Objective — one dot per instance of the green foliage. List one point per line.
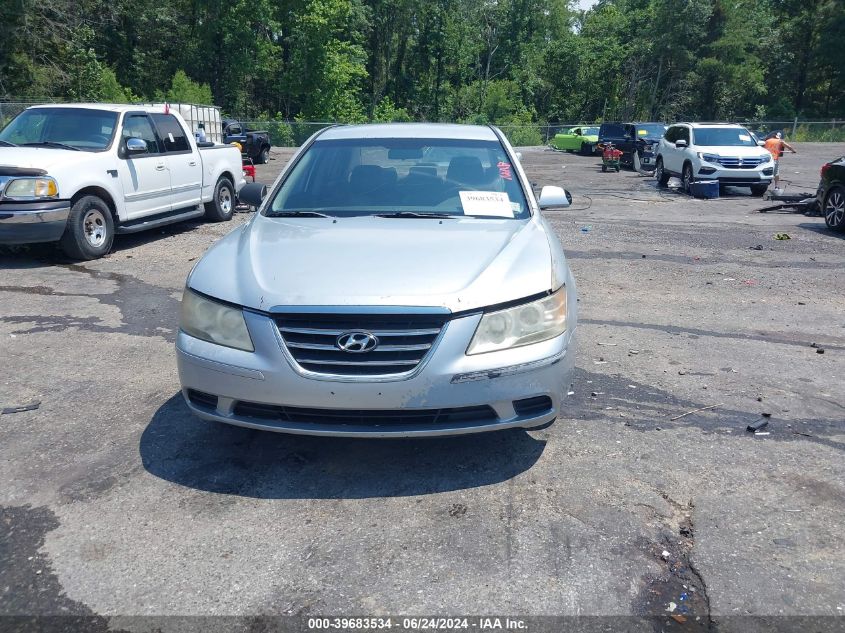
(510, 62)
(184, 90)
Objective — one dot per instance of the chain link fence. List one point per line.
(287, 133)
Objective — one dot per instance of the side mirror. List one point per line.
(253, 194)
(680, 143)
(554, 198)
(136, 146)
(761, 143)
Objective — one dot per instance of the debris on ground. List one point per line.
(782, 236)
(759, 247)
(756, 426)
(678, 618)
(31, 406)
(586, 229)
(712, 406)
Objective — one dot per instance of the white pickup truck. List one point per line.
(80, 173)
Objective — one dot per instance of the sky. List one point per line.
(586, 4)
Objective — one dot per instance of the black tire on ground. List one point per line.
(834, 208)
(222, 205)
(604, 168)
(660, 173)
(89, 233)
(617, 169)
(686, 179)
(759, 190)
(586, 149)
(263, 156)
(542, 426)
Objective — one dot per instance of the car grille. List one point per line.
(404, 340)
(733, 162)
(482, 414)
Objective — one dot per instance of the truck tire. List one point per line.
(660, 173)
(222, 205)
(263, 156)
(89, 233)
(759, 190)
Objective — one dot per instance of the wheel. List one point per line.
(759, 190)
(686, 179)
(570, 151)
(617, 169)
(222, 205)
(604, 168)
(263, 156)
(834, 208)
(89, 233)
(585, 149)
(660, 173)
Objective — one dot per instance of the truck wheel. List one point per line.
(89, 233)
(263, 156)
(660, 173)
(222, 205)
(759, 190)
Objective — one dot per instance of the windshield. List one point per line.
(723, 136)
(589, 131)
(354, 177)
(652, 129)
(77, 128)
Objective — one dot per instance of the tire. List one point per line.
(263, 156)
(222, 205)
(585, 149)
(604, 168)
(834, 208)
(686, 179)
(759, 190)
(89, 233)
(660, 173)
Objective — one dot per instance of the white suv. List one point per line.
(713, 151)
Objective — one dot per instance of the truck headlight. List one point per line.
(214, 322)
(708, 158)
(32, 188)
(524, 324)
(765, 158)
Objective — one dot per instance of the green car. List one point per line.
(580, 139)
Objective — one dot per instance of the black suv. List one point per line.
(831, 193)
(631, 137)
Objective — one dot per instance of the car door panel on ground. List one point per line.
(145, 177)
(184, 164)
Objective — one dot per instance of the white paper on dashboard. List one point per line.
(486, 203)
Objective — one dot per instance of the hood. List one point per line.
(44, 157)
(734, 150)
(458, 264)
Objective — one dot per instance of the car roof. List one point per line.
(709, 124)
(410, 130)
(112, 107)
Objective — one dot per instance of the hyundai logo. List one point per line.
(356, 342)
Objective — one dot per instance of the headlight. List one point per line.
(214, 322)
(708, 158)
(32, 188)
(765, 158)
(529, 323)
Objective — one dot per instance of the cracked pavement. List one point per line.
(117, 502)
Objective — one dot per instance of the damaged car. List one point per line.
(397, 280)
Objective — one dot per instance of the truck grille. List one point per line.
(733, 162)
(404, 340)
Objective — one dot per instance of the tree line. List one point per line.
(501, 61)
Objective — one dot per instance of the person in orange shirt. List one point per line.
(775, 144)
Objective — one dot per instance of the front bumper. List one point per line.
(240, 382)
(29, 222)
(738, 177)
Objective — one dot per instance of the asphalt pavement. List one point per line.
(648, 498)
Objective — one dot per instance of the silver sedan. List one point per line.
(398, 280)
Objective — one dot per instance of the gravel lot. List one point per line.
(117, 502)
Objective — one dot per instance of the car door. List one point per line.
(668, 151)
(145, 176)
(627, 143)
(183, 161)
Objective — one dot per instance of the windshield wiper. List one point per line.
(51, 144)
(7, 143)
(416, 214)
(295, 214)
